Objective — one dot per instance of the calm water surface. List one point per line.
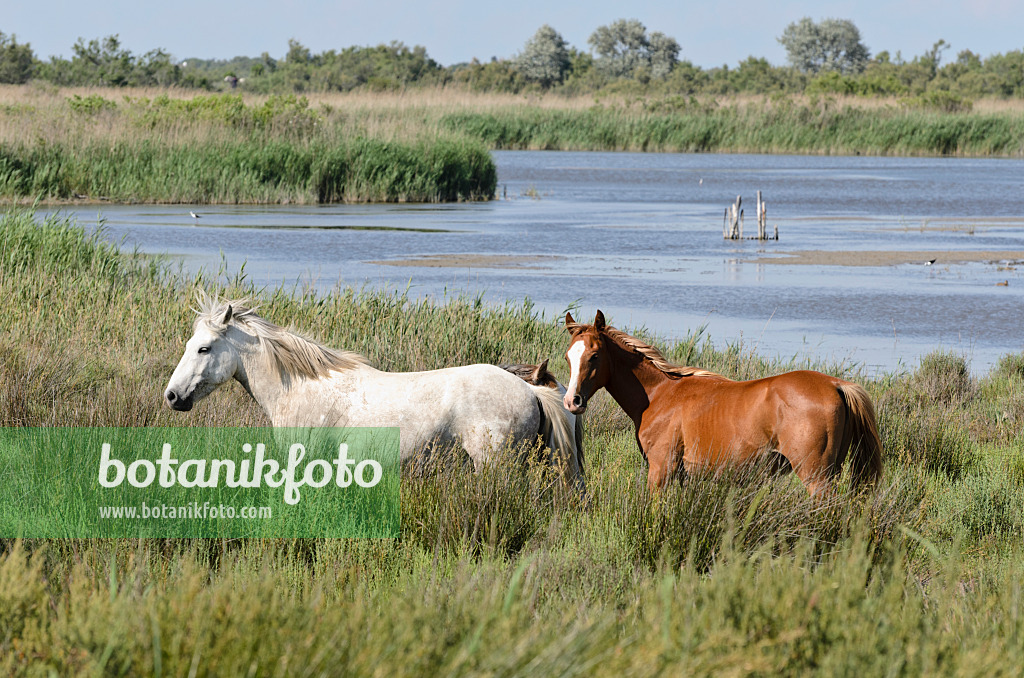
(640, 237)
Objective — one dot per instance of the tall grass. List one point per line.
(387, 611)
(223, 150)
(360, 170)
(773, 128)
(502, 571)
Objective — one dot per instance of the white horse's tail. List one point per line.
(557, 431)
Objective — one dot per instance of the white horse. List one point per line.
(538, 375)
(300, 383)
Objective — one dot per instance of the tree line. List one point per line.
(824, 57)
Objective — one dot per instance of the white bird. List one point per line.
(929, 262)
(194, 215)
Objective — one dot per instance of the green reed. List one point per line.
(212, 149)
(779, 127)
(250, 171)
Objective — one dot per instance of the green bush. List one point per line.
(945, 378)
(941, 101)
(916, 432)
(90, 105)
(1010, 366)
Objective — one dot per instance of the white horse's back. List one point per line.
(479, 407)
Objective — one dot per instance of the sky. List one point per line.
(711, 33)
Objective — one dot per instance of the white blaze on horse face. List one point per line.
(574, 354)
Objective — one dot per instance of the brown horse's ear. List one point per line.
(571, 326)
(538, 373)
(599, 321)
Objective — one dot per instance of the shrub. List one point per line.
(916, 432)
(941, 101)
(944, 377)
(90, 105)
(1010, 366)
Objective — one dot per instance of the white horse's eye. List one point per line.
(204, 349)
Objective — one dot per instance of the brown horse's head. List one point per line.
(588, 364)
(538, 375)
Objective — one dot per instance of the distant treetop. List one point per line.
(545, 57)
(832, 45)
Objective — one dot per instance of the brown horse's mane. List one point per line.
(294, 355)
(634, 345)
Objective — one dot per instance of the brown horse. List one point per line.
(706, 421)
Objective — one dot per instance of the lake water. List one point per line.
(640, 237)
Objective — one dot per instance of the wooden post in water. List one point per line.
(762, 219)
(737, 213)
(732, 229)
(732, 220)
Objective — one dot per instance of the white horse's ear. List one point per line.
(599, 321)
(227, 315)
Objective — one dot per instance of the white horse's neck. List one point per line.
(256, 373)
(287, 400)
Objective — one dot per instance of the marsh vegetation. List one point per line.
(155, 146)
(501, 571)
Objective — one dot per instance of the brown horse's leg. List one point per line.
(818, 486)
(812, 454)
(657, 472)
(662, 467)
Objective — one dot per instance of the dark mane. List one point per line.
(538, 375)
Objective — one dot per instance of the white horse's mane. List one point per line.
(293, 354)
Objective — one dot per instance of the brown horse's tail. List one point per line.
(861, 436)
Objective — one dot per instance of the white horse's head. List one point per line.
(210, 359)
(231, 340)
